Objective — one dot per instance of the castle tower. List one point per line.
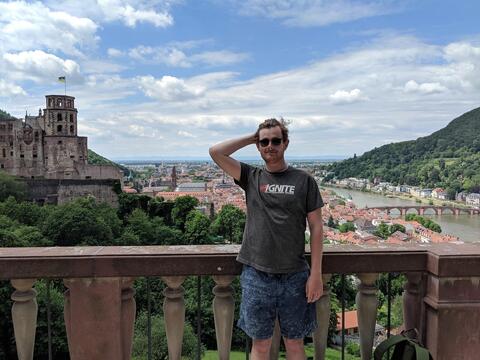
(174, 178)
(60, 116)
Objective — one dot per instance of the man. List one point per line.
(276, 280)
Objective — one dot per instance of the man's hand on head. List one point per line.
(314, 287)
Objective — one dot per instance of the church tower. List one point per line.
(60, 116)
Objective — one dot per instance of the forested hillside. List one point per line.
(449, 158)
(95, 159)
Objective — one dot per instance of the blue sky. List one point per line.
(169, 78)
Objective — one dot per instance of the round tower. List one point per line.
(60, 116)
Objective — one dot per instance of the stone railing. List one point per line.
(441, 298)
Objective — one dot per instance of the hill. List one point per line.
(448, 158)
(96, 159)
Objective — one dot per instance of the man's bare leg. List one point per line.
(295, 349)
(261, 349)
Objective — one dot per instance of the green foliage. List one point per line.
(396, 315)
(352, 348)
(197, 228)
(423, 162)
(229, 223)
(159, 339)
(182, 206)
(5, 115)
(10, 186)
(384, 231)
(346, 227)
(82, 222)
(428, 223)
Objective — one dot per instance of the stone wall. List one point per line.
(53, 191)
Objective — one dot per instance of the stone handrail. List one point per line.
(441, 299)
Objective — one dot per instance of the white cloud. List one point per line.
(168, 88)
(314, 12)
(26, 26)
(112, 52)
(8, 89)
(130, 12)
(424, 88)
(40, 66)
(176, 57)
(219, 58)
(346, 97)
(185, 134)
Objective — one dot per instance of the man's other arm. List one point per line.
(314, 288)
(221, 152)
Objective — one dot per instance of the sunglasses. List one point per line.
(274, 141)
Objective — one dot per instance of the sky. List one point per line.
(169, 78)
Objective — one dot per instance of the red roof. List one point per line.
(351, 320)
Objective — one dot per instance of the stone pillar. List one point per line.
(128, 316)
(223, 312)
(24, 316)
(94, 319)
(452, 309)
(412, 302)
(320, 336)
(276, 339)
(174, 313)
(421, 211)
(366, 301)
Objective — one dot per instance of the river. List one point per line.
(466, 227)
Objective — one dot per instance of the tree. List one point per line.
(346, 227)
(197, 228)
(382, 231)
(230, 223)
(81, 222)
(10, 186)
(182, 206)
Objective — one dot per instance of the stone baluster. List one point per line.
(24, 316)
(412, 301)
(366, 301)
(223, 312)
(276, 338)
(174, 313)
(128, 316)
(320, 336)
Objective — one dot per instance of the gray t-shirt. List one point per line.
(277, 208)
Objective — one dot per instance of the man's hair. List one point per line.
(270, 123)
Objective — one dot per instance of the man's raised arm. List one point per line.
(221, 152)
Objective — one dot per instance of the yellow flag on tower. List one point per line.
(61, 79)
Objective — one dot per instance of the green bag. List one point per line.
(404, 348)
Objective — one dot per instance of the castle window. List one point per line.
(71, 117)
(2, 138)
(22, 156)
(11, 153)
(4, 153)
(10, 126)
(34, 156)
(72, 156)
(59, 128)
(2, 127)
(59, 117)
(2, 166)
(59, 102)
(36, 135)
(88, 177)
(59, 142)
(71, 129)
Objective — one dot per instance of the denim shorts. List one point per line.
(268, 296)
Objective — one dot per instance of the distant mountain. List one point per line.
(96, 159)
(448, 158)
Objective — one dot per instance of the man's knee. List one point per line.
(261, 346)
(293, 345)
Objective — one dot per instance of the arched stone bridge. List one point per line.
(420, 209)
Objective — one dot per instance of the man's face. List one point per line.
(271, 145)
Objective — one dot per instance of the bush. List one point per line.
(353, 348)
(159, 339)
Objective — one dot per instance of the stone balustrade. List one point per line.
(441, 298)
